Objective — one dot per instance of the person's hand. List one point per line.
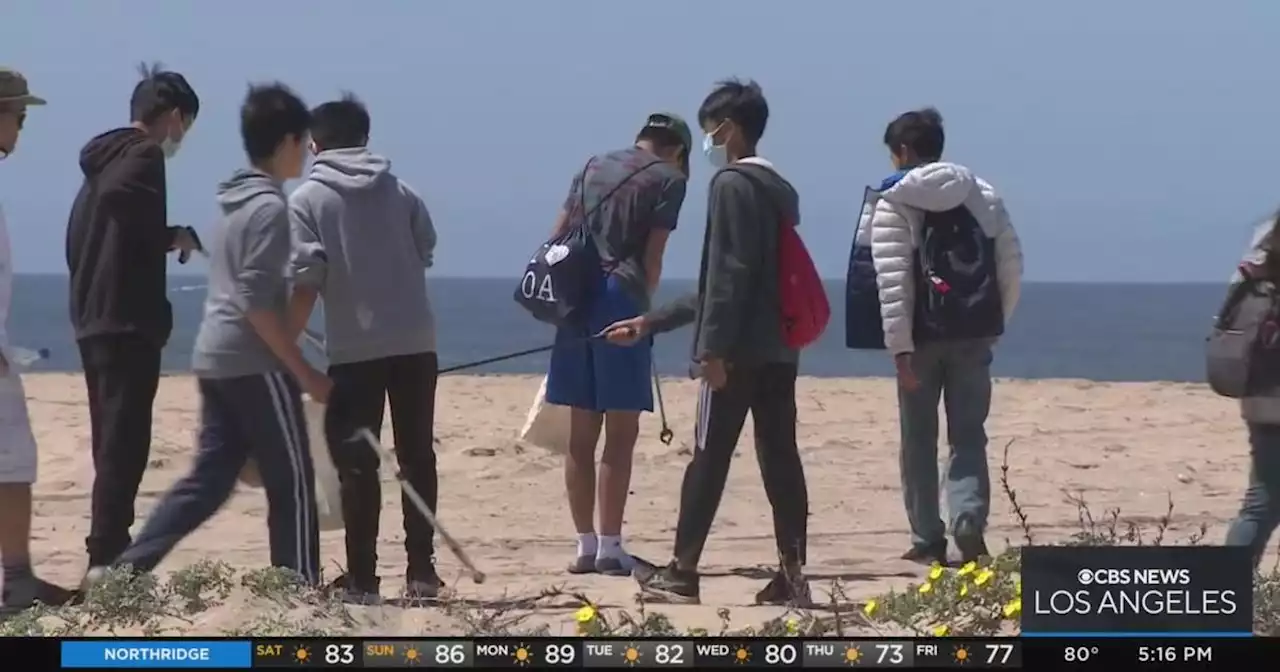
(626, 332)
(185, 242)
(715, 373)
(317, 386)
(906, 375)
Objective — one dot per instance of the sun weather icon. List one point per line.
(631, 655)
(852, 655)
(961, 654)
(301, 655)
(523, 655)
(412, 656)
(742, 656)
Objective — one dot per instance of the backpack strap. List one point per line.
(586, 217)
(582, 190)
(763, 189)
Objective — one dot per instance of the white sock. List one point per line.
(610, 547)
(587, 544)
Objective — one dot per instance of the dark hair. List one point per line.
(662, 138)
(743, 103)
(340, 124)
(160, 92)
(271, 113)
(919, 131)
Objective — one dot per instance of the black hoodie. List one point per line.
(117, 239)
(736, 311)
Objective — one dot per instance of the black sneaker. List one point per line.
(668, 585)
(356, 591)
(972, 546)
(27, 593)
(787, 590)
(928, 554)
(427, 587)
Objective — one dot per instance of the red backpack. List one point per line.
(802, 299)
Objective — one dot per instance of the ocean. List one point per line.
(1103, 332)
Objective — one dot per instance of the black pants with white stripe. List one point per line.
(360, 394)
(768, 392)
(257, 416)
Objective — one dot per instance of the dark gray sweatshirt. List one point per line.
(363, 239)
(735, 311)
(248, 259)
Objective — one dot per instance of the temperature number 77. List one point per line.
(998, 654)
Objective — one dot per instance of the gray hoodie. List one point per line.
(363, 239)
(736, 309)
(248, 259)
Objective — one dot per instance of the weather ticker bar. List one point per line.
(1040, 653)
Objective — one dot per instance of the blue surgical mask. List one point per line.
(717, 155)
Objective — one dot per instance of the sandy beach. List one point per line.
(1126, 446)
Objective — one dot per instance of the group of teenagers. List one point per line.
(935, 275)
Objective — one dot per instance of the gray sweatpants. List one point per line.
(1260, 509)
(259, 416)
(958, 373)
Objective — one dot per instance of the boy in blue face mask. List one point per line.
(738, 350)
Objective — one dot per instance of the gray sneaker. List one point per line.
(615, 566)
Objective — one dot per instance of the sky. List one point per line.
(1132, 141)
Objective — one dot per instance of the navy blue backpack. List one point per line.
(957, 289)
(560, 281)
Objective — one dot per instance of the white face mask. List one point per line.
(170, 147)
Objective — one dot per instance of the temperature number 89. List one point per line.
(560, 654)
(1079, 654)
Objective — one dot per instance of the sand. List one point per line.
(1130, 446)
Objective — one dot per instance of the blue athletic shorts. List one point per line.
(596, 375)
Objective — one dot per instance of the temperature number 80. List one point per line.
(784, 654)
(1079, 654)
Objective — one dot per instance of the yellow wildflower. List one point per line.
(586, 614)
(935, 573)
(964, 589)
(1013, 608)
(983, 577)
(792, 626)
(870, 607)
(941, 630)
(925, 587)
(968, 568)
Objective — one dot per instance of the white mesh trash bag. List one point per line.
(547, 426)
(328, 496)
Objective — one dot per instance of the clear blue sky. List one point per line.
(1134, 140)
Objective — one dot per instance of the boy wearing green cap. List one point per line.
(632, 198)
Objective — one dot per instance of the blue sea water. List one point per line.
(1105, 332)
